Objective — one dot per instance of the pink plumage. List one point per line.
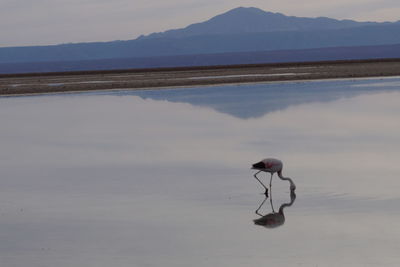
(271, 166)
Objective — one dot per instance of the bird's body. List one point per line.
(271, 166)
(268, 165)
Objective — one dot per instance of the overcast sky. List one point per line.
(41, 22)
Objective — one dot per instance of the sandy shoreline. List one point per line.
(22, 84)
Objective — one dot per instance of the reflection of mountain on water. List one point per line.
(255, 100)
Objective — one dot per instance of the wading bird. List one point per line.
(272, 166)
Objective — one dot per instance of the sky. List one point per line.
(44, 22)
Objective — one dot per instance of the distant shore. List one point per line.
(37, 83)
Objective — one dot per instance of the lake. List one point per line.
(162, 177)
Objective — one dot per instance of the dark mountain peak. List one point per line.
(246, 13)
(254, 20)
(245, 10)
(243, 29)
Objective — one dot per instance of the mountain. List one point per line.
(254, 20)
(241, 30)
(207, 44)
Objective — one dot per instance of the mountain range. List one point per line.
(253, 20)
(240, 30)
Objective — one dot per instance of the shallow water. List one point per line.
(162, 177)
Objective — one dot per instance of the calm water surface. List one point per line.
(162, 178)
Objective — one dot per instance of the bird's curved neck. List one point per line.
(292, 199)
(285, 178)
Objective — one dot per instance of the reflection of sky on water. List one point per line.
(120, 180)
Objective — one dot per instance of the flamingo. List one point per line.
(272, 166)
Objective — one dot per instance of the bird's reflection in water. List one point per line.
(273, 219)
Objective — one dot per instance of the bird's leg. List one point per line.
(270, 181)
(272, 204)
(266, 189)
(270, 199)
(262, 203)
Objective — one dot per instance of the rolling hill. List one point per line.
(238, 31)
